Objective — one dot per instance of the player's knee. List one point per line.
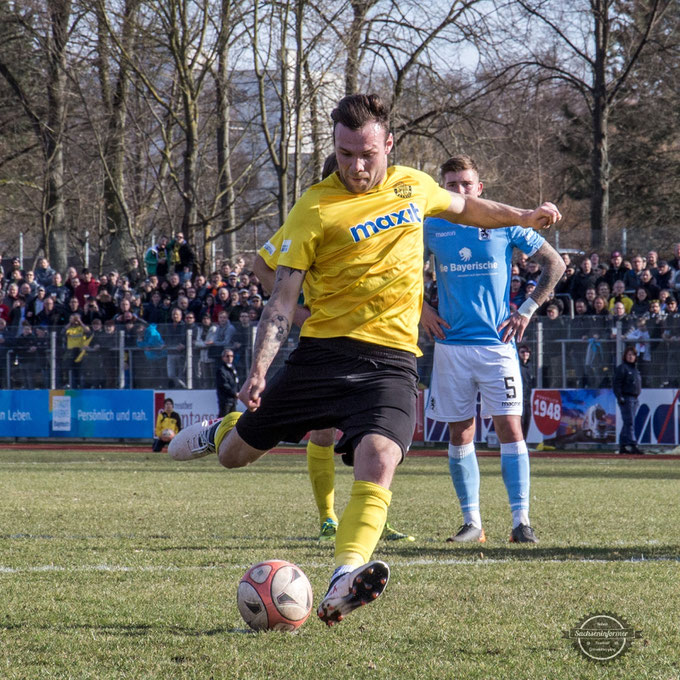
(323, 437)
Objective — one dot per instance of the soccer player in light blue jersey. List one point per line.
(475, 335)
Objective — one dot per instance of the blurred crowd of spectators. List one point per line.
(155, 302)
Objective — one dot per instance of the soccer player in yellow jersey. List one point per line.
(321, 444)
(356, 241)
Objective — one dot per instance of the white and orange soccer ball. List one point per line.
(274, 595)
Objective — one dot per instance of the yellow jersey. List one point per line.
(363, 254)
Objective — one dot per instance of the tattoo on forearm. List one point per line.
(274, 325)
(271, 334)
(552, 268)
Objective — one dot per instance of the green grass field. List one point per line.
(125, 565)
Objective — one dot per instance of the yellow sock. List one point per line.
(321, 467)
(361, 524)
(225, 427)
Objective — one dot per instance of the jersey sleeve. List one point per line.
(271, 250)
(438, 199)
(302, 233)
(527, 240)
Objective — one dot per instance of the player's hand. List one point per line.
(513, 327)
(543, 217)
(251, 391)
(432, 323)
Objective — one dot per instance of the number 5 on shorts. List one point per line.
(511, 391)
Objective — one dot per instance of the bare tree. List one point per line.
(50, 32)
(572, 44)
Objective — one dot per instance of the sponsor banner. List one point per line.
(566, 418)
(657, 420)
(24, 413)
(109, 414)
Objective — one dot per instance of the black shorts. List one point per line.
(337, 382)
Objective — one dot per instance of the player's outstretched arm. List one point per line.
(478, 212)
(552, 268)
(272, 332)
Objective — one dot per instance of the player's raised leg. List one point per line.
(221, 437)
(201, 439)
(356, 581)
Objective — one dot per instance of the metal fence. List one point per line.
(565, 354)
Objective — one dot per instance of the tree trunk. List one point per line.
(53, 201)
(225, 180)
(599, 199)
(120, 241)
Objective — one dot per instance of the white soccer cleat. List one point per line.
(352, 590)
(195, 441)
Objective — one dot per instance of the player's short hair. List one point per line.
(355, 110)
(458, 164)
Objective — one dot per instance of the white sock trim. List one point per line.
(514, 448)
(520, 516)
(473, 517)
(459, 452)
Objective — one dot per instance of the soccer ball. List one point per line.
(167, 435)
(274, 595)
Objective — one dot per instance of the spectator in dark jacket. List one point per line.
(227, 383)
(632, 277)
(664, 275)
(616, 270)
(584, 278)
(627, 388)
(648, 282)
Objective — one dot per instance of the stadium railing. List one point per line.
(562, 357)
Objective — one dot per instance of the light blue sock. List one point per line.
(465, 476)
(515, 471)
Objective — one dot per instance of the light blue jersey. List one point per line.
(473, 276)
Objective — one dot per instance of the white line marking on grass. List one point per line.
(112, 568)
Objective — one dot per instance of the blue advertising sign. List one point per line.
(24, 413)
(101, 413)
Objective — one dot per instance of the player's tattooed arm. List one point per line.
(272, 331)
(552, 268)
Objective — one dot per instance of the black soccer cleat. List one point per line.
(468, 533)
(523, 533)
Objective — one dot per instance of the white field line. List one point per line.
(313, 565)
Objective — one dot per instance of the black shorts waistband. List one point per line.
(362, 350)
